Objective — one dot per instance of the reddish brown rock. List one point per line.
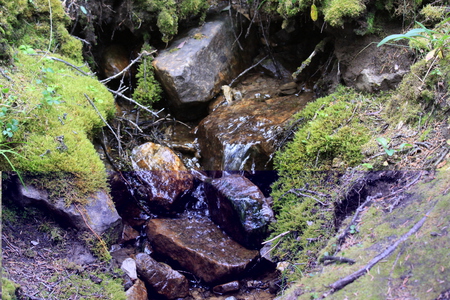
(163, 175)
(129, 233)
(137, 291)
(200, 247)
(164, 280)
(243, 135)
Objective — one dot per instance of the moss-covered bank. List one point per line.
(46, 118)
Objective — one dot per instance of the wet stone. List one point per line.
(200, 247)
(162, 176)
(228, 287)
(164, 280)
(137, 291)
(240, 209)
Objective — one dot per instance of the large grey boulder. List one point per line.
(196, 65)
(99, 214)
(240, 209)
(200, 247)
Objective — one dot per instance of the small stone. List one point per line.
(129, 267)
(95, 279)
(228, 287)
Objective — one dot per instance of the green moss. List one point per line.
(56, 138)
(8, 289)
(337, 10)
(108, 288)
(167, 24)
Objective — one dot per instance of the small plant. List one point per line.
(50, 97)
(385, 143)
(27, 49)
(436, 42)
(353, 229)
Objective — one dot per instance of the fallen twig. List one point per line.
(143, 53)
(329, 259)
(300, 193)
(339, 284)
(319, 48)
(4, 74)
(344, 234)
(246, 70)
(134, 102)
(106, 123)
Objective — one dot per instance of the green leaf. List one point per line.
(83, 10)
(314, 13)
(389, 152)
(416, 32)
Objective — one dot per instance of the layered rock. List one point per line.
(163, 279)
(193, 69)
(98, 214)
(200, 247)
(163, 177)
(240, 209)
(242, 136)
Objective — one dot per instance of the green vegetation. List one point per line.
(47, 122)
(335, 136)
(330, 132)
(148, 90)
(169, 13)
(8, 289)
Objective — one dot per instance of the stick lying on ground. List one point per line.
(352, 277)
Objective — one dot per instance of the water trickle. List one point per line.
(235, 156)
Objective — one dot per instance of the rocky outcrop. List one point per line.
(99, 214)
(240, 209)
(200, 247)
(115, 59)
(163, 177)
(164, 280)
(243, 135)
(193, 69)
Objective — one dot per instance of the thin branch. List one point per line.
(319, 48)
(329, 259)
(246, 70)
(104, 121)
(4, 74)
(339, 284)
(143, 53)
(300, 193)
(136, 103)
(278, 236)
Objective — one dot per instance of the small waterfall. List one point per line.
(235, 156)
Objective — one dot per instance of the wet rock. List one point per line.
(239, 208)
(115, 59)
(200, 247)
(163, 176)
(163, 279)
(129, 233)
(193, 69)
(242, 136)
(276, 69)
(129, 267)
(99, 214)
(137, 292)
(225, 288)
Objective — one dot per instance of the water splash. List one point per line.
(236, 156)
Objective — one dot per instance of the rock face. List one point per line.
(193, 69)
(163, 279)
(163, 176)
(200, 247)
(99, 214)
(369, 68)
(240, 209)
(241, 136)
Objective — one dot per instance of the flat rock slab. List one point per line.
(200, 247)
